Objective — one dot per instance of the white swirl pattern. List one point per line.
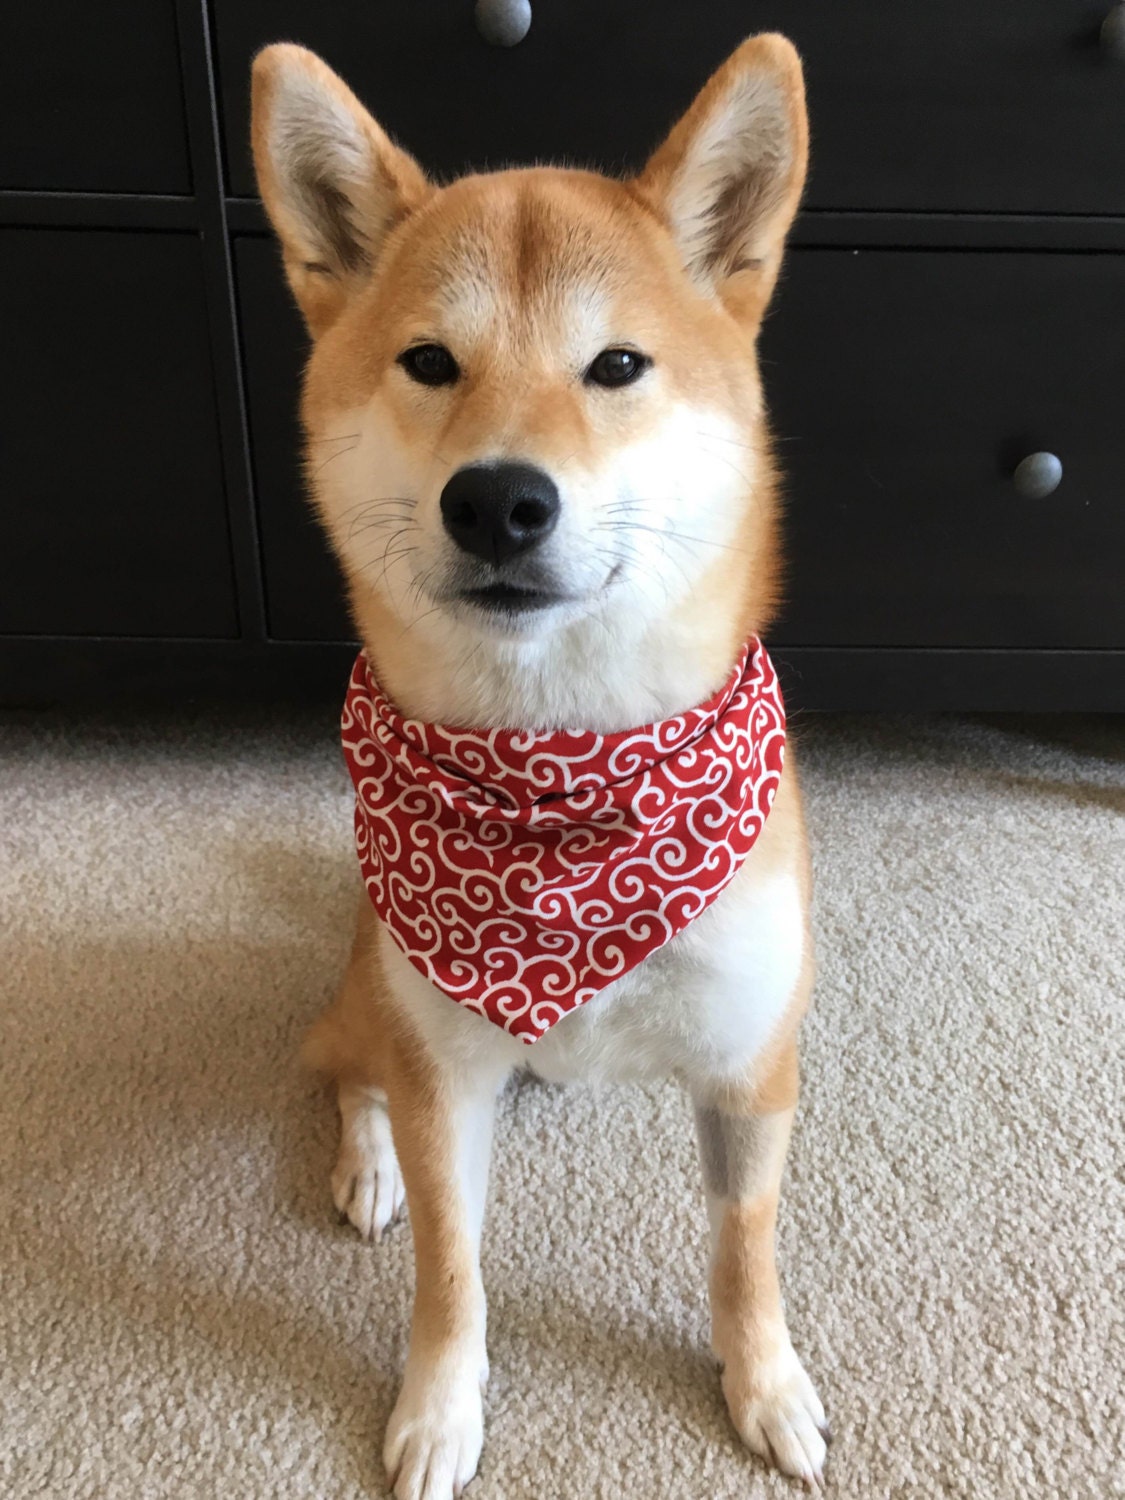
(521, 873)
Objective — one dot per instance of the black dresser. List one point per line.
(945, 361)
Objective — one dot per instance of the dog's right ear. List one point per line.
(333, 182)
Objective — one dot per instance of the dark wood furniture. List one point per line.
(954, 302)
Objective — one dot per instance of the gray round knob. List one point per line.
(503, 23)
(1112, 34)
(1038, 475)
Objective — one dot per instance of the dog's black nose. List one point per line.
(496, 511)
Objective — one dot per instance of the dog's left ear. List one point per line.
(728, 179)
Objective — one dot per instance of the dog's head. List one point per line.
(533, 396)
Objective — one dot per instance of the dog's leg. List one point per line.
(743, 1136)
(347, 1044)
(367, 1186)
(442, 1121)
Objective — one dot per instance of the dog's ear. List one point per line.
(332, 181)
(728, 179)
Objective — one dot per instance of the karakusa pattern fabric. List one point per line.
(522, 872)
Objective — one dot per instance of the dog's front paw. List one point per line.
(367, 1185)
(778, 1413)
(436, 1430)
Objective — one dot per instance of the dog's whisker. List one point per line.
(672, 536)
(357, 529)
(365, 520)
(390, 551)
(419, 618)
(715, 437)
(722, 459)
(338, 454)
(473, 654)
(377, 502)
(419, 586)
(394, 518)
(661, 537)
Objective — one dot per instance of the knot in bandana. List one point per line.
(522, 871)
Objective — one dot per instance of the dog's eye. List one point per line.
(429, 364)
(616, 367)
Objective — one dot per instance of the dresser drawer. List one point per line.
(91, 98)
(959, 104)
(114, 517)
(905, 387)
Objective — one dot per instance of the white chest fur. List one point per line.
(702, 1007)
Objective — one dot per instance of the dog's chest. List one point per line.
(703, 1006)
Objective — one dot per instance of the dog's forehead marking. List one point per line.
(530, 276)
(563, 324)
(467, 307)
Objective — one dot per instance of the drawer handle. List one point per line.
(503, 23)
(1112, 34)
(1038, 475)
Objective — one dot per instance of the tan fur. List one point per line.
(746, 1301)
(446, 1276)
(747, 1326)
(346, 1044)
(511, 268)
(748, 1330)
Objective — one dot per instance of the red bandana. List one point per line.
(522, 872)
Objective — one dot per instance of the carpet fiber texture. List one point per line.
(181, 1315)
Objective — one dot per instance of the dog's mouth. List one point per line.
(510, 599)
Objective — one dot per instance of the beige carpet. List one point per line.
(182, 1316)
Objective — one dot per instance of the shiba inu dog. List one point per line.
(537, 442)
